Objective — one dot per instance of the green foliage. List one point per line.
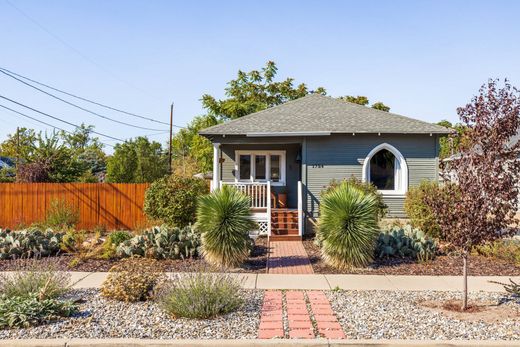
(255, 91)
(367, 187)
(28, 243)
(133, 279)
(29, 296)
(503, 249)
(420, 214)
(201, 295)
(38, 277)
(450, 145)
(61, 215)
(173, 199)
(348, 226)
(55, 157)
(162, 242)
(72, 241)
(363, 100)
(192, 152)
(113, 240)
(224, 219)
(137, 161)
(23, 312)
(406, 242)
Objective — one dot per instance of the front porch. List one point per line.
(274, 219)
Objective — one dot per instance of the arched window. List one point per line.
(386, 168)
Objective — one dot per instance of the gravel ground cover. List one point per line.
(104, 318)
(256, 263)
(441, 266)
(398, 315)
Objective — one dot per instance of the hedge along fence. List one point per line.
(114, 206)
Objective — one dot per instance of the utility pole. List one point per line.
(171, 139)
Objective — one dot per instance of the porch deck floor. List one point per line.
(288, 257)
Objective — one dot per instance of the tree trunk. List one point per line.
(465, 281)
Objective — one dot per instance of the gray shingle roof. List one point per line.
(317, 114)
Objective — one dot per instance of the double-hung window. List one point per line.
(260, 166)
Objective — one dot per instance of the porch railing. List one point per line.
(258, 192)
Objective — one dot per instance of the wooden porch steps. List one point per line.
(284, 225)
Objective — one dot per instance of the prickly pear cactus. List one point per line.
(162, 243)
(29, 243)
(405, 242)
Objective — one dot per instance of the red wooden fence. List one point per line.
(114, 206)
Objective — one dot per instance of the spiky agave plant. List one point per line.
(348, 226)
(224, 219)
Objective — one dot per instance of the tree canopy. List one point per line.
(137, 160)
(54, 157)
(363, 100)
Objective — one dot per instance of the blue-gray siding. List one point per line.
(342, 156)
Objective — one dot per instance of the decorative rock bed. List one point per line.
(399, 315)
(104, 318)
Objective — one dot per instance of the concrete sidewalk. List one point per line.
(348, 282)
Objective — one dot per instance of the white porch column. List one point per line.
(216, 167)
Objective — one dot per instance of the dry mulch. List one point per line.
(256, 263)
(443, 265)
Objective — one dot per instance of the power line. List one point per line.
(86, 100)
(40, 121)
(77, 106)
(58, 119)
(63, 42)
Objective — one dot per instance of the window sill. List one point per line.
(392, 193)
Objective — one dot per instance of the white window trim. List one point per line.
(401, 170)
(267, 166)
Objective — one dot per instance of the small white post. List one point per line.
(216, 169)
(300, 208)
(268, 209)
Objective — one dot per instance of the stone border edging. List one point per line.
(248, 343)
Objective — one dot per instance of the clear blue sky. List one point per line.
(422, 58)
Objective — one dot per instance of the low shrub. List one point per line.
(201, 295)
(503, 249)
(29, 243)
(62, 215)
(133, 279)
(22, 312)
(31, 295)
(512, 287)
(173, 200)
(367, 187)
(72, 241)
(420, 214)
(39, 277)
(113, 240)
(406, 242)
(224, 219)
(348, 226)
(162, 242)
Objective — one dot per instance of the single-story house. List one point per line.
(293, 151)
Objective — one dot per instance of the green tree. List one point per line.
(450, 145)
(137, 161)
(363, 100)
(250, 92)
(255, 91)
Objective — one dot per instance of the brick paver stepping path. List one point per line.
(288, 257)
(298, 315)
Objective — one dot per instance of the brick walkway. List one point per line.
(305, 315)
(288, 257)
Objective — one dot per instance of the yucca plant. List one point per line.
(224, 219)
(348, 226)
